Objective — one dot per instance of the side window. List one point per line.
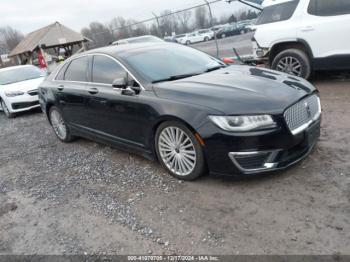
(277, 13)
(329, 8)
(77, 70)
(105, 70)
(60, 75)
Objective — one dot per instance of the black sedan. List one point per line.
(184, 108)
(231, 30)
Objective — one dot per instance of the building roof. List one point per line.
(52, 35)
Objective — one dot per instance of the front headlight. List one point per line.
(14, 93)
(243, 123)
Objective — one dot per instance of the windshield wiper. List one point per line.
(214, 68)
(176, 77)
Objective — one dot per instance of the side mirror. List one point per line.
(120, 83)
(128, 92)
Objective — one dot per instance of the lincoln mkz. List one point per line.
(184, 108)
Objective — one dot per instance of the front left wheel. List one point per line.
(6, 110)
(179, 151)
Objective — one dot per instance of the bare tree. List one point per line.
(184, 19)
(168, 23)
(98, 33)
(9, 39)
(201, 17)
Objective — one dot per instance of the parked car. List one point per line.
(207, 33)
(193, 38)
(19, 89)
(139, 39)
(178, 38)
(216, 28)
(193, 118)
(300, 36)
(231, 30)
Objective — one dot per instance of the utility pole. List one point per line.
(211, 25)
(158, 27)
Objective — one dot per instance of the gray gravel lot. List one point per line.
(58, 198)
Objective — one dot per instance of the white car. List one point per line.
(192, 38)
(300, 36)
(207, 33)
(138, 39)
(19, 89)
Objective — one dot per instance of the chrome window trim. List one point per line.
(104, 84)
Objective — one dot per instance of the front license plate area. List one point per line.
(312, 134)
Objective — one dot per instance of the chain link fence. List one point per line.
(169, 25)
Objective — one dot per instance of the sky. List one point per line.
(27, 16)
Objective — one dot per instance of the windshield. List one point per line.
(20, 74)
(277, 13)
(163, 63)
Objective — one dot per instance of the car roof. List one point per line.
(134, 38)
(14, 67)
(113, 50)
(267, 3)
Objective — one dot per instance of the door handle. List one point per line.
(307, 29)
(60, 87)
(93, 91)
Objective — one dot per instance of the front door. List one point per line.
(111, 114)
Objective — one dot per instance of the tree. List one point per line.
(201, 17)
(98, 33)
(167, 23)
(232, 19)
(9, 39)
(184, 19)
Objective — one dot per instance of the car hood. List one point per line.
(238, 90)
(23, 86)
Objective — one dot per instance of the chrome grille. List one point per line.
(303, 113)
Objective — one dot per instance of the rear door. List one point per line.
(71, 91)
(326, 28)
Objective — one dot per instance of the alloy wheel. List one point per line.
(290, 65)
(58, 124)
(177, 151)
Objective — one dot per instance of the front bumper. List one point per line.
(22, 103)
(260, 152)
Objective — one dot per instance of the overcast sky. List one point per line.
(28, 16)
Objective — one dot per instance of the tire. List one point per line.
(206, 39)
(188, 42)
(296, 61)
(184, 166)
(242, 32)
(59, 125)
(6, 111)
(223, 36)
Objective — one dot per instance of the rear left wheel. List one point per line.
(59, 125)
(179, 151)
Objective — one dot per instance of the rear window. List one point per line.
(277, 13)
(77, 70)
(329, 8)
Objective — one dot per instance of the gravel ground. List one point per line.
(85, 197)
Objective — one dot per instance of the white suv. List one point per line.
(299, 36)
